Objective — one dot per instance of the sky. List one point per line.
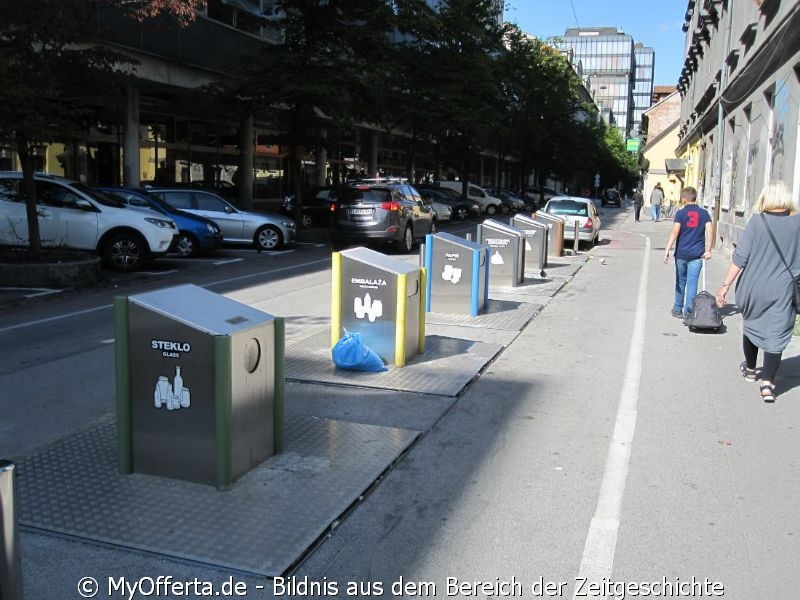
(655, 23)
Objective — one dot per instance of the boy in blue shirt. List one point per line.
(692, 232)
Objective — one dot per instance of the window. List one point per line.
(9, 190)
(55, 195)
(177, 199)
(209, 202)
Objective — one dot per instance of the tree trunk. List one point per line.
(29, 190)
(296, 182)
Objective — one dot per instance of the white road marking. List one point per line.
(207, 285)
(43, 292)
(34, 292)
(228, 261)
(601, 541)
(159, 273)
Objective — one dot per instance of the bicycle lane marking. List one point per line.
(601, 541)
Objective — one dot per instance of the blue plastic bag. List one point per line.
(351, 354)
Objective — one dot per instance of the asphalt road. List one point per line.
(606, 442)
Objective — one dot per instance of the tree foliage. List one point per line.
(56, 74)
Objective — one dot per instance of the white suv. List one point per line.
(71, 215)
(489, 204)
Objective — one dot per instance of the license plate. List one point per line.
(360, 211)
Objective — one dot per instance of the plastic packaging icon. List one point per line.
(497, 259)
(372, 309)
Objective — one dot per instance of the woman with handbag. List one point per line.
(766, 262)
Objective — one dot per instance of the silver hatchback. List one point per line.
(265, 232)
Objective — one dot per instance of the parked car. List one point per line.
(510, 200)
(317, 204)
(461, 209)
(196, 234)
(582, 210)
(611, 196)
(265, 232)
(443, 210)
(391, 212)
(489, 204)
(540, 194)
(72, 215)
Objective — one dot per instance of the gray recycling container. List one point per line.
(200, 382)
(506, 252)
(458, 275)
(555, 239)
(535, 241)
(383, 298)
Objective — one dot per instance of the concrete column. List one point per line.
(496, 181)
(130, 138)
(372, 170)
(481, 182)
(246, 161)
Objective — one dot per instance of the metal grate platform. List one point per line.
(262, 525)
(446, 367)
(500, 314)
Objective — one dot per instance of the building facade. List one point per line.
(739, 111)
(618, 71)
(661, 121)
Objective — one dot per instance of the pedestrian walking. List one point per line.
(656, 198)
(764, 264)
(691, 234)
(638, 200)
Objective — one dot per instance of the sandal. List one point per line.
(748, 374)
(767, 392)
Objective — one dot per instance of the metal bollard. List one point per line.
(469, 237)
(421, 259)
(577, 238)
(10, 559)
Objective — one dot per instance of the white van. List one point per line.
(489, 204)
(71, 215)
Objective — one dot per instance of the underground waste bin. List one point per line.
(506, 252)
(555, 237)
(458, 274)
(200, 382)
(381, 297)
(535, 242)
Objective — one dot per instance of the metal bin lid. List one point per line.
(376, 259)
(201, 309)
(498, 226)
(459, 241)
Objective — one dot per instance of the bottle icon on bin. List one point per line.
(369, 308)
(172, 396)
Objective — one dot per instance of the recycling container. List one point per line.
(458, 274)
(199, 385)
(381, 297)
(535, 241)
(555, 239)
(506, 252)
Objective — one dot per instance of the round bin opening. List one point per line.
(252, 355)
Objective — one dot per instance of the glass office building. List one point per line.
(618, 72)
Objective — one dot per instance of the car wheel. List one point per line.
(504, 209)
(187, 245)
(125, 252)
(306, 221)
(530, 207)
(406, 243)
(268, 238)
(460, 213)
(491, 210)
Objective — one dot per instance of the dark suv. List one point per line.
(611, 196)
(376, 212)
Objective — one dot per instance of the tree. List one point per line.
(56, 72)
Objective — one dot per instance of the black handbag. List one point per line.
(795, 279)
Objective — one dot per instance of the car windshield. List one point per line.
(368, 195)
(105, 199)
(568, 207)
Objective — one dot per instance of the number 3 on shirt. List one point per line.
(694, 219)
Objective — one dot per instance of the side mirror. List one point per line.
(85, 205)
(228, 209)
